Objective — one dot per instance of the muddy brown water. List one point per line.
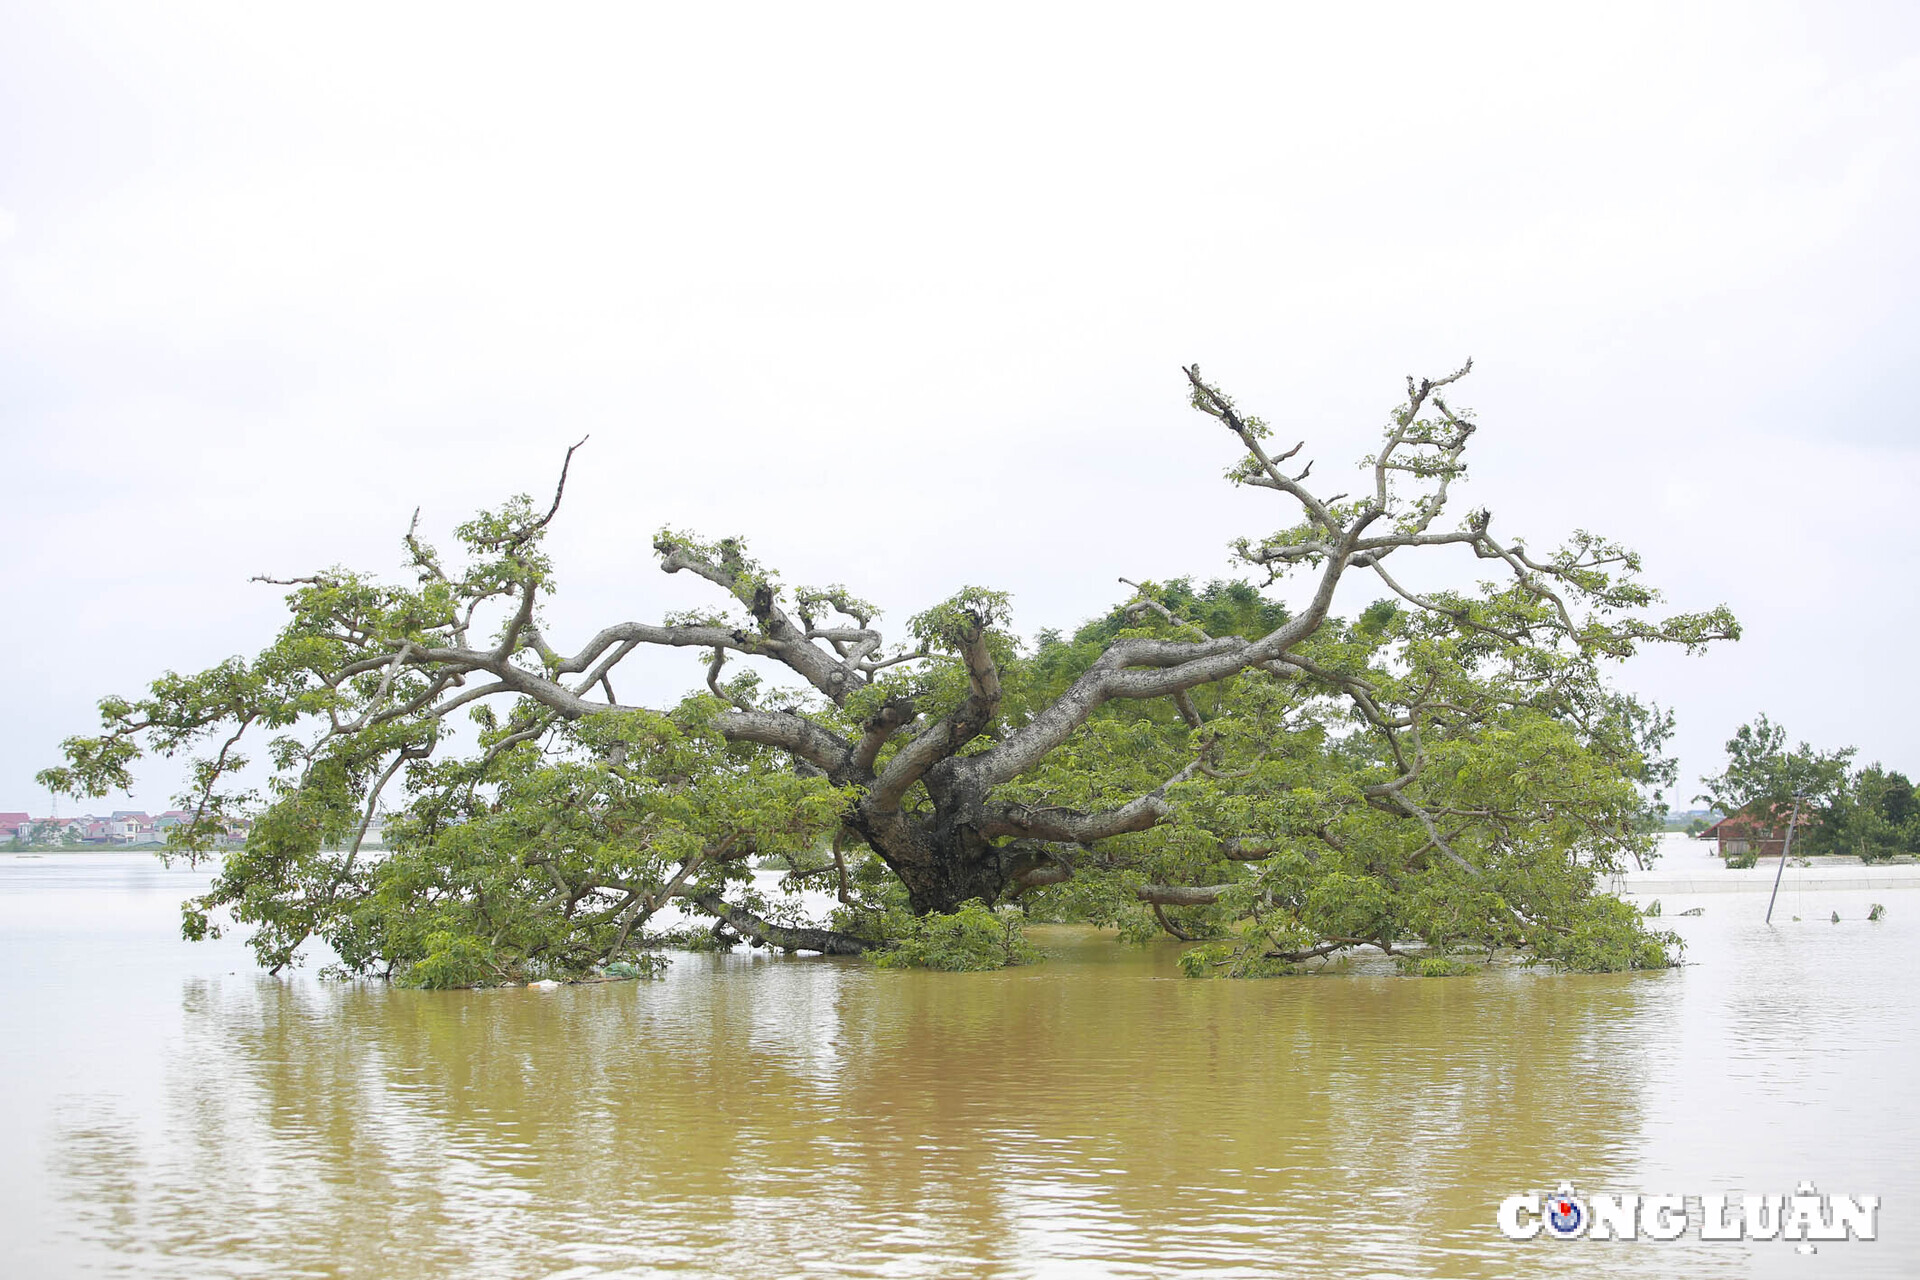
(169, 1111)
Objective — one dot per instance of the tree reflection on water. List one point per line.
(802, 1117)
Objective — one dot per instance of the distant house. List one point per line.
(1759, 829)
(130, 826)
(124, 826)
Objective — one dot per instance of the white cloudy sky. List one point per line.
(902, 292)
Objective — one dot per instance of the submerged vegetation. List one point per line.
(974, 937)
(1446, 772)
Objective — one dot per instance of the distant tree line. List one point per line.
(1871, 812)
(45, 836)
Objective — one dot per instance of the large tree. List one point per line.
(1449, 767)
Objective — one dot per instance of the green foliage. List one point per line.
(970, 612)
(1433, 966)
(1762, 771)
(1542, 775)
(1605, 935)
(746, 578)
(976, 937)
(544, 853)
(1226, 960)
(1449, 772)
(1876, 817)
(1872, 813)
(449, 959)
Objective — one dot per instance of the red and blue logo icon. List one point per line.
(1566, 1214)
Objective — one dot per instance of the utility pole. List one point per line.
(1785, 849)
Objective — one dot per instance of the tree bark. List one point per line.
(826, 941)
(943, 862)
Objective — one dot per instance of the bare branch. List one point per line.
(566, 464)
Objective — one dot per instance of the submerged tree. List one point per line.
(1448, 769)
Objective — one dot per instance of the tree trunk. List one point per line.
(942, 863)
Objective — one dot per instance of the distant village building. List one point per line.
(123, 826)
(1760, 830)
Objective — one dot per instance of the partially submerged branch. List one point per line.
(783, 937)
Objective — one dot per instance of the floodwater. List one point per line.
(169, 1111)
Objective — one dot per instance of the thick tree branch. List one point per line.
(785, 937)
(953, 731)
(1048, 822)
(1181, 895)
(779, 637)
(790, 731)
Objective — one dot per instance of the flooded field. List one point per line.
(169, 1111)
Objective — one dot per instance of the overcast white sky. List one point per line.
(901, 293)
